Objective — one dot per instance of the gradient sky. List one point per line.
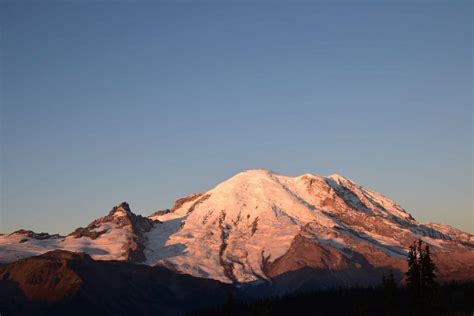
(145, 102)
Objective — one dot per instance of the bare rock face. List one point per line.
(189, 198)
(305, 253)
(46, 277)
(33, 235)
(177, 204)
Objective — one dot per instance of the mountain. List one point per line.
(117, 236)
(259, 227)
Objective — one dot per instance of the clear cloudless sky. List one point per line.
(145, 102)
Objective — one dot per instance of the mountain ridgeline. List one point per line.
(267, 233)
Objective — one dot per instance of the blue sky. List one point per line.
(145, 102)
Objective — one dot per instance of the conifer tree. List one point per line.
(428, 281)
(413, 273)
(420, 278)
(427, 270)
(390, 294)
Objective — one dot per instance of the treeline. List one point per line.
(453, 299)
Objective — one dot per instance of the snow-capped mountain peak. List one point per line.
(118, 235)
(237, 230)
(259, 225)
(123, 209)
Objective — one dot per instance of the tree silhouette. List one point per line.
(390, 294)
(428, 281)
(421, 279)
(413, 273)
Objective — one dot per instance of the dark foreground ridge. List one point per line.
(65, 283)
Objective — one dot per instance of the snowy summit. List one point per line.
(259, 225)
